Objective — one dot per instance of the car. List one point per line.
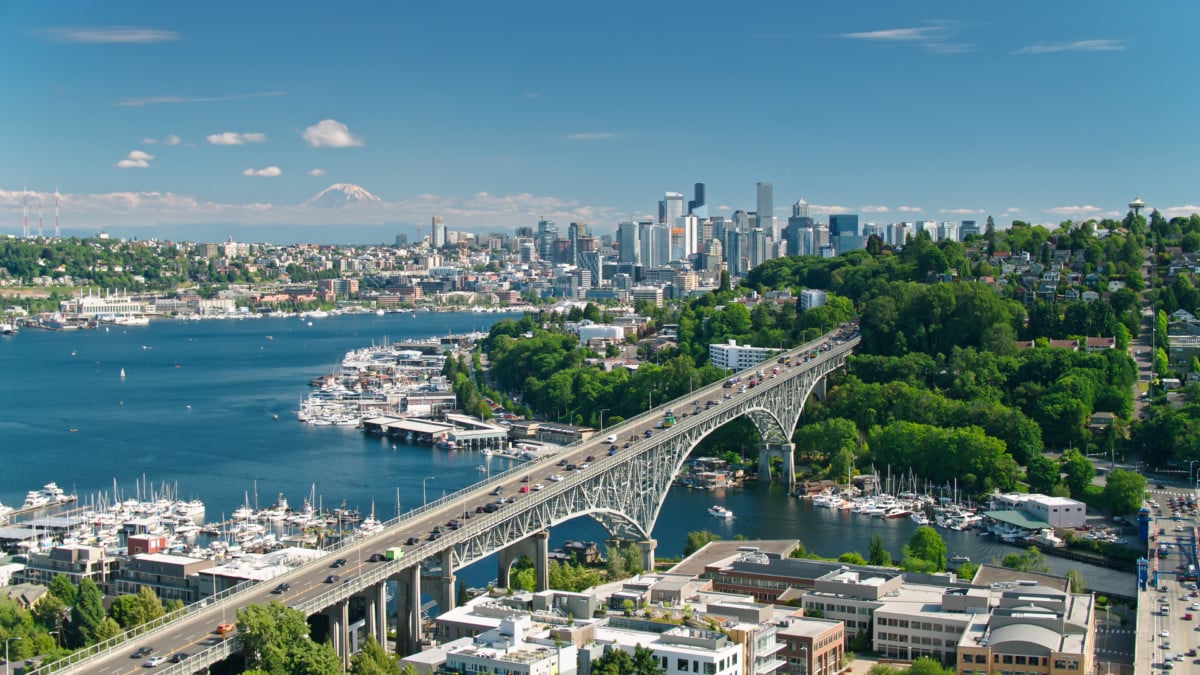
(1165, 634)
(180, 657)
(1160, 486)
(375, 557)
(491, 508)
(347, 580)
(154, 662)
(413, 541)
(584, 466)
(340, 562)
(537, 486)
(562, 462)
(454, 525)
(281, 588)
(499, 490)
(524, 489)
(590, 458)
(612, 452)
(570, 467)
(1187, 617)
(141, 651)
(332, 579)
(627, 445)
(434, 536)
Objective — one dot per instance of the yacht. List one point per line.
(827, 500)
(55, 494)
(918, 518)
(719, 511)
(34, 499)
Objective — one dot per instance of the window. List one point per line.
(1020, 660)
(1008, 659)
(710, 668)
(681, 665)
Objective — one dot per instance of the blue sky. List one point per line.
(150, 116)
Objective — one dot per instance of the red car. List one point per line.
(524, 488)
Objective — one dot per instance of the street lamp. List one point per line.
(602, 411)
(423, 502)
(7, 665)
(804, 650)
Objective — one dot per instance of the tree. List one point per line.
(1032, 560)
(1076, 580)
(697, 540)
(1123, 491)
(374, 660)
(852, 558)
(1042, 474)
(876, 553)
(86, 615)
(925, 665)
(107, 629)
(272, 635)
(926, 544)
(63, 589)
(967, 570)
(614, 562)
(613, 662)
(310, 658)
(644, 662)
(1079, 471)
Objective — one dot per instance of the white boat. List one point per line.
(122, 373)
(719, 511)
(35, 499)
(919, 518)
(827, 500)
(55, 494)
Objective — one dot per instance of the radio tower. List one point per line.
(25, 211)
(39, 216)
(57, 234)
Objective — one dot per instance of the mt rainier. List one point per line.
(342, 194)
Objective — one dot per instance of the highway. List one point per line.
(308, 585)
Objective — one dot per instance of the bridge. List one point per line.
(623, 491)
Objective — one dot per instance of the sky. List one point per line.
(155, 119)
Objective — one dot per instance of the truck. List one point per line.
(668, 419)
(393, 553)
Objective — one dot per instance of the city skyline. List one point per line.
(160, 120)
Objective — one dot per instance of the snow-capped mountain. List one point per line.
(342, 194)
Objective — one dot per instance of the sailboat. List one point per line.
(122, 373)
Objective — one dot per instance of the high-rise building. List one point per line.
(969, 228)
(844, 233)
(690, 225)
(439, 232)
(766, 209)
(799, 230)
(656, 244)
(741, 221)
(630, 242)
(697, 206)
(758, 247)
(547, 234)
(672, 207)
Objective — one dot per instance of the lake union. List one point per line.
(197, 411)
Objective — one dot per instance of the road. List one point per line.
(1169, 615)
(415, 531)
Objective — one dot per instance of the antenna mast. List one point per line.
(57, 233)
(25, 210)
(39, 215)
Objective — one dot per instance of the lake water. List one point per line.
(196, 411)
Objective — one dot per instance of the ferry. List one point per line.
(719, 511)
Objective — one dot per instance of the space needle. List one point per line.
(1136, 206)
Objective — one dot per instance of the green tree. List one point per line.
(1031, 560)
(1123, 491)
(613, 662)
(86, 615)
(374, 660)
(107, 629)
(852, 558)
(1079, 471)
(696, 541)
(644, 662)
(1076, 580)
(926, 544)
(614, 562)
(63, 589)
(276, 639)
(1042, 474)
(925, 665)
(876, 553)
(967, 570)
(310, 658)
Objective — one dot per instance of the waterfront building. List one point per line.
(171, 577)
(1046, 511)
(738, 357)
(74, 561)
(1032, 629)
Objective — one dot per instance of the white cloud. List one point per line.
(1012, 209)
(155, 100)
(910, 209)
(934, 37)
(317, 172)
(234, 138)
(270, 171)
(330, 134)
(1076, 46)
(874, 209)
(135, 160)
(110, 35)
(826, 209)
(1178, 211)
(171, 139)
(592, 136)
(896, 34)
(962, 212)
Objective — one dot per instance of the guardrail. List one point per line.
(387, 568)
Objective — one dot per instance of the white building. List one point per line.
(812, 297)
(738, 357)
(1058, 512)
(679, 650)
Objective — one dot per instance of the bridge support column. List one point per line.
(537, 548)
(818, 389)
(443, 590)
(787, 470)
(647, 550)
(408, 611)
(339, 630)
(377, 613)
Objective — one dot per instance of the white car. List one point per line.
(584, 466)
(155, 661)
(537, 486)
(1165, 634)
(556, 477)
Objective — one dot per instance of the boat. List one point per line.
(34, 499)
(122, 373)
(55, 494)
(827, 500)
(919, 518)
(896, 512)
(718, 511)
(1046, 537)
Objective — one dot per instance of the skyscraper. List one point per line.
(672, 207)
(439, 232)
(844, 233)
(697, 206)
(627, 237)
(766, 209)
